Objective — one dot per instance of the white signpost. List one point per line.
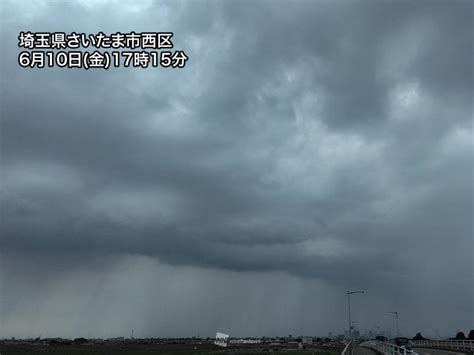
(222, 339)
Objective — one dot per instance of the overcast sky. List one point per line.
(307, 148)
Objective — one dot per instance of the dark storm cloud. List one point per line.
(327, 140)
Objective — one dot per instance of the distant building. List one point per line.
(245, 341)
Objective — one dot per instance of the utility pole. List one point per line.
(349, 293)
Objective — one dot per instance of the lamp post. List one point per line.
(349, 293)
(396, 316)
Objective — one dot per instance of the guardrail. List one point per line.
(387, 348)
(446, 344)
(348, 349)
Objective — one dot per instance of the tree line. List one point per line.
(459, 336)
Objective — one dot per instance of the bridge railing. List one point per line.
(348, 349)
(446, 344)
(387, 348)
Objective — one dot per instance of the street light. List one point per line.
(349, 293)
(396, 315)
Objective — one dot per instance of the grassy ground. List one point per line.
(149, 349)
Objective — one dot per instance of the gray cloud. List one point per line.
(321, 144)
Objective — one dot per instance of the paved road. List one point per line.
(360, 350)
(427, 351)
